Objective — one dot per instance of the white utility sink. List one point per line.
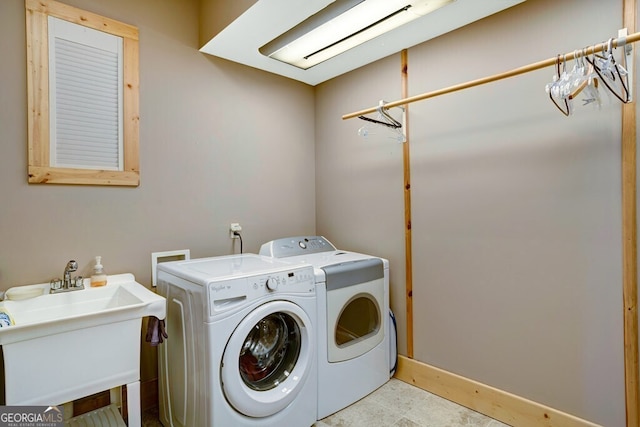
(69, 345)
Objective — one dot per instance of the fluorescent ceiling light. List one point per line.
(343, 25)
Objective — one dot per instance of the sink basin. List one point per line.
(68, 345)
(123, 298)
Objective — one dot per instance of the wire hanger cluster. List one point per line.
(384, 118)
(585, 77)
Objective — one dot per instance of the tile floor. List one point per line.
(399, 404)
(396, 404)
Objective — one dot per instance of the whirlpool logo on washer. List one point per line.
(218, 288)
(31, 416)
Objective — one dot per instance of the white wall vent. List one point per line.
(85, 97)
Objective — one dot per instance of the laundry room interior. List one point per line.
(509, 226)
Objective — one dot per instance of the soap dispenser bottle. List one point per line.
(99, 277)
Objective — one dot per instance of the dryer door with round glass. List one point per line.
(355, 300)
(267, 359)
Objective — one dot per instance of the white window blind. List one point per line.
(85, 91)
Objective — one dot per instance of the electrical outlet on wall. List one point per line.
(234, 228)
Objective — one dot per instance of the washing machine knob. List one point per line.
(272, 283)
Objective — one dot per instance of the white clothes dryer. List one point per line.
(353, 318)
(241, 350)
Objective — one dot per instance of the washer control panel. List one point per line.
(293, 246)
(224, 295)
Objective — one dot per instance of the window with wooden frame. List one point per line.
(83, 102)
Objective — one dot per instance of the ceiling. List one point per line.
(267, 19)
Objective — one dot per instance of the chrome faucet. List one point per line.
(67, 283)
(70, 268)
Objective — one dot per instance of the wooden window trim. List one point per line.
(39, 169)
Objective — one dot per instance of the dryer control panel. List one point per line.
(294, 246)
(225, 295)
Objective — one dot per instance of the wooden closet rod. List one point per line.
(631, 38)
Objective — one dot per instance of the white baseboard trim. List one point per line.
(495, 403)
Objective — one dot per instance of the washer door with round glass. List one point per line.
(268, 359)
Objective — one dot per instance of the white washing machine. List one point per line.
(353, 318)
(242, 346)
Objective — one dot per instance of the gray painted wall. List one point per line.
(517, 266)
(360, 204)
(520, 213)
(219, 143)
